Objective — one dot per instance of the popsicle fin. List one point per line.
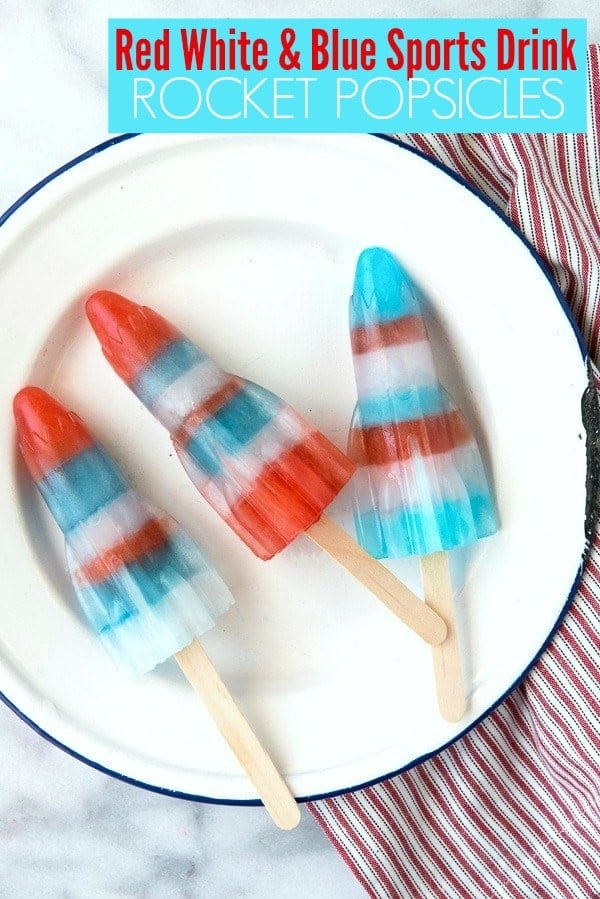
(263, 468)
(146, 593)
(421, 486)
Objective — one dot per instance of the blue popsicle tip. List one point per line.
(382, 290)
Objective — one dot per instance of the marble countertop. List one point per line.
(66, 830)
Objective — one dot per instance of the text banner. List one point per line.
(347, 75)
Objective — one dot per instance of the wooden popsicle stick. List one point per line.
(242, 740)
(437, 588)
(378, 579)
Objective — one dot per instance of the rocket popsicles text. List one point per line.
(347, 75)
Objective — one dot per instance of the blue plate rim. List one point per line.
(193, 797)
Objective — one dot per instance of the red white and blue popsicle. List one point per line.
(143, 584)
(267, 472)
(264, 469)
(420, 488)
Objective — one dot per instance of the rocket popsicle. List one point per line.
(420, 488)
(143, 584)
(260, 465)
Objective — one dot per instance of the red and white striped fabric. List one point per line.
(512, 809)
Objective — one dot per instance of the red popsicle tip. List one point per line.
(48, 433)
(131, 335)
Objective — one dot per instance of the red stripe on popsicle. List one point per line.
(131, 335)
(409, 329)
(204, 410)
(151, 536)
(48, 434)
(379, 444)
(290, 494)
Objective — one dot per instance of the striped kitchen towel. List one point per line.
(512, 809)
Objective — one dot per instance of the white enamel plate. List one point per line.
(249, 245)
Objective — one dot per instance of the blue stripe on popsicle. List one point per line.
(81, 486)
(145, 582)
(404, 405)
(158, 631)
(382, 290)
(231, 427)
(419, 531)
(173, 361)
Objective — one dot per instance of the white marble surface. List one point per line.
(65, 830)
(70, 832)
